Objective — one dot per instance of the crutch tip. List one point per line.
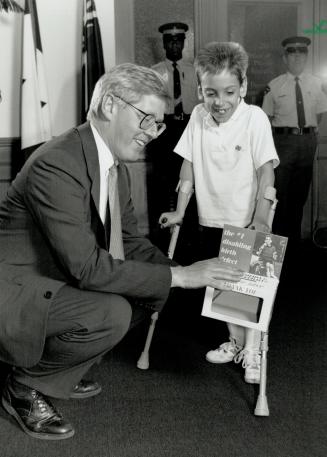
(261, 408)
(143, 362)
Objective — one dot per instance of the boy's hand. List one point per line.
(169, 219)
(259, 226)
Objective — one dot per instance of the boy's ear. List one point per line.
(244, 87)
(200, 93)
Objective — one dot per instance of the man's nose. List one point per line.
(152, 131)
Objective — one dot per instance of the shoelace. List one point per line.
(230, 346)
(248, 358)
(45, 407)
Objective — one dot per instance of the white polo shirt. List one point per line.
(225, 159)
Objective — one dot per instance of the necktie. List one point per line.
(299, 104)
(177, 91)
(116, 240)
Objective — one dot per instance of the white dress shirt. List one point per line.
(106, 161)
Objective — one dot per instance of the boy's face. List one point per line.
(221, 94)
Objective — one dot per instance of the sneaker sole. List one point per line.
(41, 436)
(252, 381)
(218, 362)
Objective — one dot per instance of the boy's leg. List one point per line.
(237, 333)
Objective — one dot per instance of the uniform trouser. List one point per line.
(293, 177)
(82, 326)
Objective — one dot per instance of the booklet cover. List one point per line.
(249, 303)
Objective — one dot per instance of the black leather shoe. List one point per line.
(34, 412)
(85, 389)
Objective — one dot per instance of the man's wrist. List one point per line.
(176, 278)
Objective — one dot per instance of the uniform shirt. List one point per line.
(280, 103)
(189, 91)
(225, 159)
(106, 161)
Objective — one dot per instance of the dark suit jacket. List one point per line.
(51, 234)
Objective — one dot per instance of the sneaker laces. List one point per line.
(230, 346)
(248, 358)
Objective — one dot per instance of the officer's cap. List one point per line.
(173, 28)
(301, 40)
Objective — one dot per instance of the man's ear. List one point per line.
(284, 58)
(200, 93)
(244, 87)
(107, 106)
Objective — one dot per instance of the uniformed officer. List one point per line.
(294, 101)
(180, 77)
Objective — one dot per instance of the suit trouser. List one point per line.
(82, 326)
(292, 181)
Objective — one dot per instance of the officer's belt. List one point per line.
(293, 130)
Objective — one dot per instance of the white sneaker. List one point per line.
(251, 361)
(225, 353)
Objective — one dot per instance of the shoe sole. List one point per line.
(81, 396)
(218, 362)
(41, 436)
(252, 381)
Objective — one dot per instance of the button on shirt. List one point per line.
(106, 161)
(280, 102)
(189, 87)
(225, 159)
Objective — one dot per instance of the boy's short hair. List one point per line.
(218, 56)
(130, 82)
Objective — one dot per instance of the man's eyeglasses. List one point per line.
(297, 49)
(148, 120)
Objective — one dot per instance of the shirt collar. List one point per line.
(292, 77)
(106, 159)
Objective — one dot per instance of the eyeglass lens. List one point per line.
(149, 121)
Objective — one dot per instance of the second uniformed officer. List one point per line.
(294, 101)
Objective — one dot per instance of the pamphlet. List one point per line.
(250, 301)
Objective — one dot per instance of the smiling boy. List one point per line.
(229, 157)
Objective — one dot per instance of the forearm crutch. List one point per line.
(262, 408)
(143, 361)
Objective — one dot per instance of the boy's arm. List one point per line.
(266, 179)
(185, 189)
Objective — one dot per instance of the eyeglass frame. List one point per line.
(160, 126)
(296, 49)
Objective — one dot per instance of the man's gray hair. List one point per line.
(130, 82)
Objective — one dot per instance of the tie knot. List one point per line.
(174, 64)
(296, 78)
(113, 170)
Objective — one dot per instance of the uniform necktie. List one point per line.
(178, 110)
(116, 239)
(299, 104)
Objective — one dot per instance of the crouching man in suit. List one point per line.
(74, 270)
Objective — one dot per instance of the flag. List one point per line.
(35, 114)
(92, 55)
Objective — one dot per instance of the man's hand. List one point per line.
(205, 273)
